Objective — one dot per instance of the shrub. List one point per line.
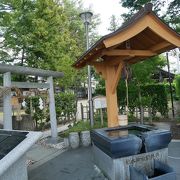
(177, 85)
(82, 126)
(39, 116)
(154, 96)
(65, 106)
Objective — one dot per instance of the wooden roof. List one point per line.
(144, 35)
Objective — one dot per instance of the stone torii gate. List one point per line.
(7, 83)
(144, 35)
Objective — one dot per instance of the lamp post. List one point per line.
(86, 18)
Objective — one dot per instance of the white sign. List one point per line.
(100, 102)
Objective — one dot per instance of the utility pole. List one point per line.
(169, 77)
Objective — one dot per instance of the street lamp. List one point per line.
(86, 18)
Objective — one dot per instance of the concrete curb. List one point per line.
(47, 133)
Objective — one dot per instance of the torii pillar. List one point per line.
(52, 109)
(7, 108)
(111, 74)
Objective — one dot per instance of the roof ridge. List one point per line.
(144, 10)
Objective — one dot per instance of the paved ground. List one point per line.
(78, 165)
(38, 155)
(70, 165)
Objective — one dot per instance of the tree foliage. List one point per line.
(173, 13)
(46, 34)
(114, 25)
(65, 106)
(154, 96)
(177, 85)
(142, 72)
(170, 15)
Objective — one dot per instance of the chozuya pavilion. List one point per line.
(131, 152)
(144, 35)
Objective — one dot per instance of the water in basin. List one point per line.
(125, 131)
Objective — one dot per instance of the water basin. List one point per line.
(130, 140)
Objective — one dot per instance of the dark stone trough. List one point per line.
(138, 146)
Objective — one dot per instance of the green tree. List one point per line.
(135, 5)
(16, 26)
(44, 34)
(171, 15)
(177, 84)
(142, 73)
(173, 12)
(113, 24)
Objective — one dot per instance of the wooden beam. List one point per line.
(100, 68)
(163, 30)
(136, 60)
(128, 52)
(113, 61)
(148, 21)
(111, 74)
(126, 34)
(117, 76)
(114, 47)
(159, 46)
(88, 60)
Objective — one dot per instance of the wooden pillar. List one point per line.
(111, 74)
(112, 107)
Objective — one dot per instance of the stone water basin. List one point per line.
(130, 140)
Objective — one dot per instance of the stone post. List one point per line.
(52, 109)
(7, 108)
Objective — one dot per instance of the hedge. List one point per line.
(153, 96)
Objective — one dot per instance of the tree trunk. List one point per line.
(150, 115)
(127, 95)
(141, 108)
(22, 58)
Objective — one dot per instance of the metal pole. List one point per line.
(89, 79)
(7, 108)
(178, 59)
(52, 109)
(172, 103)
